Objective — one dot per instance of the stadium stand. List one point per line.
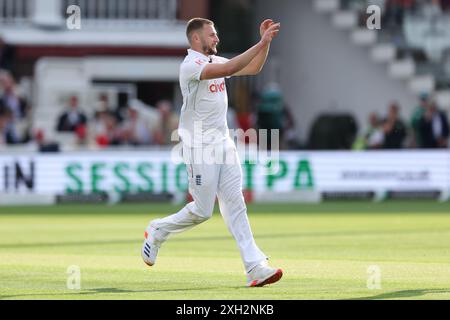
(414, 39)
(414, 43)
(51, 62)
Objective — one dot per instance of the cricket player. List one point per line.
(203, 127)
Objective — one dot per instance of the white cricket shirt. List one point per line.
(205, 102)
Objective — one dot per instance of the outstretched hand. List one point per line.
(264, 26)
(270, 29)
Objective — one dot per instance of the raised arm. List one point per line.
(256, 65)
(238, 63)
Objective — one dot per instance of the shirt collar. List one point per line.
(198, 54)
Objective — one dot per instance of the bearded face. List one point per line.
(209, 40)
(208, 49)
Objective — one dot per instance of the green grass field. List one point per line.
(325, 251)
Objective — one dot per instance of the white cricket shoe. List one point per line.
(150, 247)
(262, 274)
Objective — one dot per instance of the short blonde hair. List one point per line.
(196, 24)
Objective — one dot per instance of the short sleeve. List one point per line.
(218, 59)
(192, 70)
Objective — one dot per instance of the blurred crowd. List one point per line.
(97, 126)
(133, 125)
(139, 125)
(427, 128)
(104, 124)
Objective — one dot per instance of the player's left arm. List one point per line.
(256, 65)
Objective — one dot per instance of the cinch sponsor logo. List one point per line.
(214, 88)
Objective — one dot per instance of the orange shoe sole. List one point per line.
(150, 265)
(146, 236)
(276, 277)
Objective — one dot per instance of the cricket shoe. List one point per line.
(262, 274)
(150, 247)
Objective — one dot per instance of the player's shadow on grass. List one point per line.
(108, 291)
(116, 290)
(403, 294)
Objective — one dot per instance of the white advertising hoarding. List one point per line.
(125, 171)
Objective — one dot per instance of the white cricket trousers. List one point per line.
(206, 181)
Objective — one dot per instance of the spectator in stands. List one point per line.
(374, 137)
(168, 123)
(72, 119)
(134, 129)
(106, 131)
(394, 129)
(10, 100)
(434, 128)
(419, 111)
(7, 130)
(103, 103)
(7, 56)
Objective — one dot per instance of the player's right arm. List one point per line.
(233, 66)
